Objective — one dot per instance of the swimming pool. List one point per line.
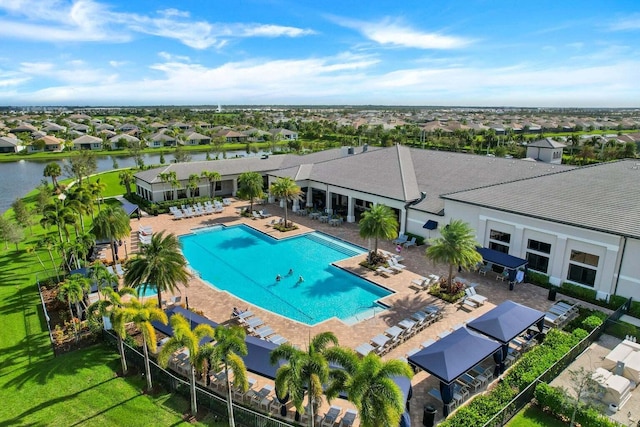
(246, 262)
(148, 292)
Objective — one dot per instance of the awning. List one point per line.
(193, 318)
(430, 225)
(129, 207)
(455, 354)
(257, 358)
(506, 321)
(500, 258)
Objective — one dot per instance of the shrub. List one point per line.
(419, 239)
(635, 309)
(592, 322)
(538, 279)
(440, 290)
(554, 401)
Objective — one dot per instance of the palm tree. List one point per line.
(142, 314)
(53, 170)
(250, 186)
(72, 291)
(183, 336)
(304, 372)
(172, 179)
(369, 386)
(112, 308)
(229, 349)
(456, 246)
(126, 179)
(82, 202)
(160, 264)
(287, 189)
(379, 222)
(192, 185)
(104, 278)
(60, 214)
(96, 189)
(213, 177)
(112, 224)
(48, 243)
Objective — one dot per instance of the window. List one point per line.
(580, 270)
(498, 247)
(500, 236)
(584, 258)
(538, 262)
(583, 275)
(497, 240)
(537, 246)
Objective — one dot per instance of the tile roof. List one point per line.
(603, 197)
(546, 143)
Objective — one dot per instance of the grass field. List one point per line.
(531, 416)
(77, 389)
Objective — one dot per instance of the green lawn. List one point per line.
(80, 388)
(531, 416)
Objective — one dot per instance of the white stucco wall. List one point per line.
(629, 277)
(563, 239)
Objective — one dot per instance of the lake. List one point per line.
(18, 178)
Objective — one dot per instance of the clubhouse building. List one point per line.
(577, 225)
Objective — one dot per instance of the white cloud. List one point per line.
(628, 23)
(390, 32)
(71, 72)
(91, 21)
(258, 30)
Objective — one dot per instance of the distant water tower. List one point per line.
(219, 109)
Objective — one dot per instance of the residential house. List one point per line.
(546, 150)
(195, 138)
(87, 142)
(11, 144)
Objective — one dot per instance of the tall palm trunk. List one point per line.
(232, 421)
(147, 368)
(192, 386)
(123, 359)
(53, 263)
(75, 327)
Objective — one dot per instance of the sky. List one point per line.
(280, 52)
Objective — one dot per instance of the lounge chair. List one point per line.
(420, 284)
(401, 239)
(330, 417)
(384, 271)
(410, 243)
(264, 332)
(119, 270)
(145, 240)
(226, 202)
(256, 215)
(348, 418)
(177, 214)
(110, 270)
(393, 261)
(472, 295)
(277, 339)
(264, 214)
(208, 209)
(145, 230)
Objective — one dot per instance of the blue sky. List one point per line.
(458, 53)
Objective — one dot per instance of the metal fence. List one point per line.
(214, 403)
(527, 395)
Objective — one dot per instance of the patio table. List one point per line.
(324, 218)
(314, 215)
(334, 222)
(394, 332)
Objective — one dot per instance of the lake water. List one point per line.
(18, 178)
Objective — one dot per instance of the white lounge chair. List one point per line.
(145, 230)
(264, 214)
(420, 284)
(226, 202)
(348, 418)
(177, 214)
(384, 271)
(472, 295)
(256, 215)
(394, 264)
(119, 270)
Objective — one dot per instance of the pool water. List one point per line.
(246, 262)
(148, 292)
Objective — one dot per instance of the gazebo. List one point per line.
(193, 318)
(509, 262)
(505, 322)
(452, 356)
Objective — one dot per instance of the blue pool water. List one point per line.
(148, 292)
(246, 262)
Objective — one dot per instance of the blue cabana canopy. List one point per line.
(500, 258)
(129, 207)
(455, 354)
(193, 318)
(257, 358)
(506, 321)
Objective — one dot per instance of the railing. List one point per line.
(526, 395)
(216, 404)
(46, 316)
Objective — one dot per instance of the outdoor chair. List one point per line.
(348, 418)
(264, 214)
(420, 284)
(255, 215)
(410, 243)
(119, 270)
(147, 230)
(331, 416)
(468, 304)
(474, 296)
(503, 276)
(487, 267)
(401, 239)
(384, 271)
(394, 263)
